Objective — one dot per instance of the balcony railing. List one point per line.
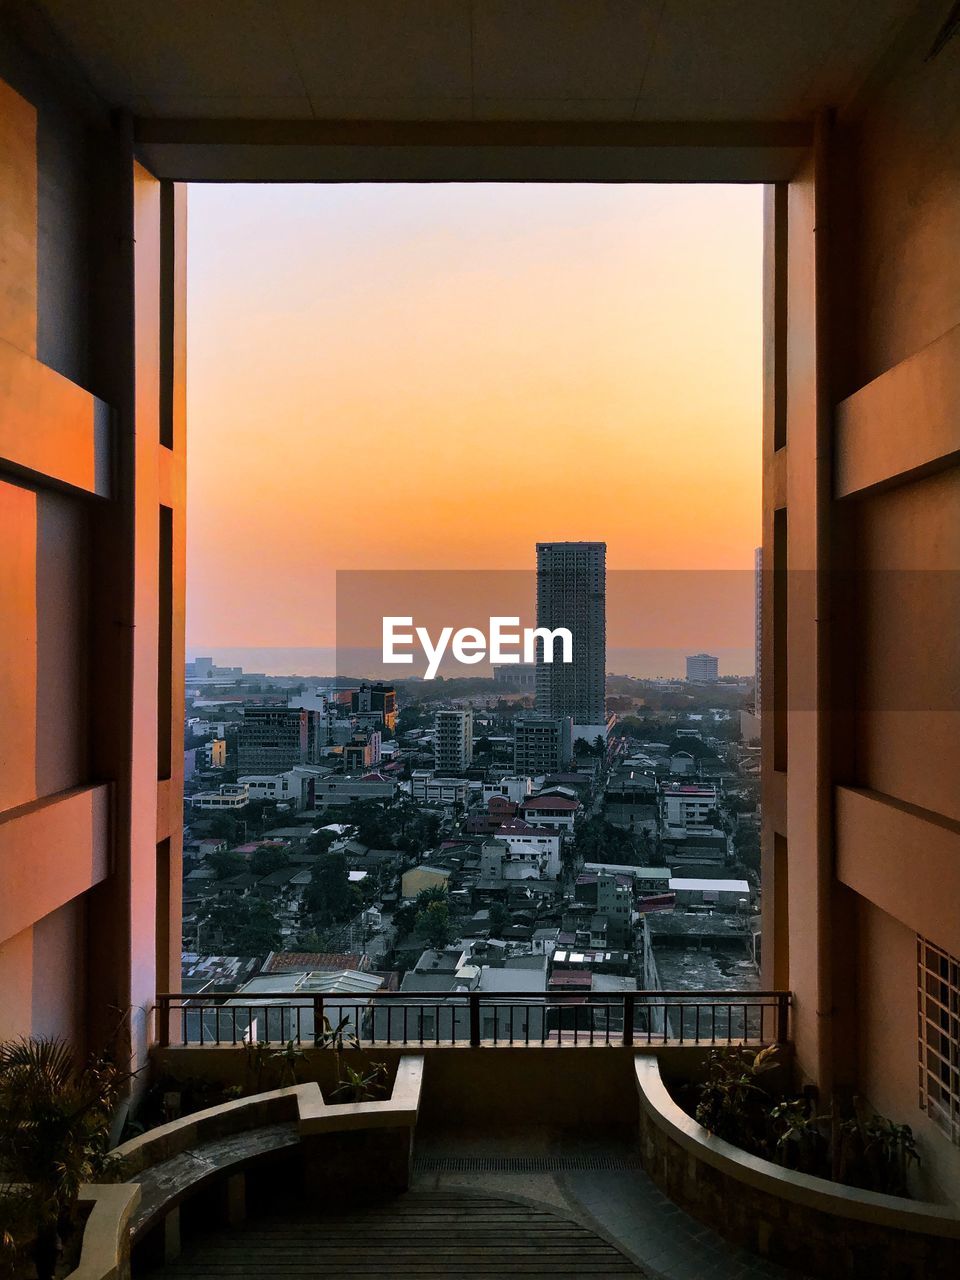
(474, 1018)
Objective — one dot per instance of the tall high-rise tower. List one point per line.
(572, 593)
(453, 746)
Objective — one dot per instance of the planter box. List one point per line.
(811, 1224)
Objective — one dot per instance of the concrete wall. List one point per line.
(91, 452)
(862, 698)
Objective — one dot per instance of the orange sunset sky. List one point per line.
(439, 376)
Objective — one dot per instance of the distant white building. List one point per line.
(453, 744)
(426, 787)
(702, 668)
(515, 789)
(229, 796)
(551, 810)
(688, 808)
(522, 838)
(723, 894)
(295, 786)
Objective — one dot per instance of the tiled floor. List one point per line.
(615, 1198)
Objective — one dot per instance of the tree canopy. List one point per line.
(268, 858)
(330, 897)
(239, 927)
(433, 925)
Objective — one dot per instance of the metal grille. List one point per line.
(938, 1017)
(522, 1164)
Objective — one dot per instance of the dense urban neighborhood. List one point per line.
(445, 837)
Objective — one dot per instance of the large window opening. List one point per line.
(447, 404)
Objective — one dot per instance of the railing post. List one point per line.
(163, 1022)
(474, 999)
(629, 1005)
(783, 1017)
(317, 1018)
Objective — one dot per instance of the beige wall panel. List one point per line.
(42, 976)
(906, 420)
(18, 645)
(62, 658)
(905, 861)
(908, 224)
(16, 985)
(50, 427)
(888, 1048)
(18, 221)
(51, 851)
(806, 838)
(907, 724)
(58, 998)
(142, 890)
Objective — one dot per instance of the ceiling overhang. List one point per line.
(470, 151)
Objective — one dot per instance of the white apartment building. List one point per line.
(426, 787)
(702, 668)
(514, 789)
(688, 808)
(453, 741)
(522, 838)
(292, 787)
(551, 810)
(229, 796)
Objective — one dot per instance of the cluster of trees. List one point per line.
(597, 840)
(428, 916)
(746, 843)
(266, 859)
(402, 825)
(330, 898)
(239, 926)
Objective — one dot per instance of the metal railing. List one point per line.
(475, 1018)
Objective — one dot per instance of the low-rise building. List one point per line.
(553, 810)
(723, 895)
(229, 796)
(688, 808)
(522, 838)
(423, 877)
(428, 788)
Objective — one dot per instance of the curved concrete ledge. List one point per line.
(105, 1252)
(303, 1103)
(108, 1230)
(797, 1188)
(812, 1223)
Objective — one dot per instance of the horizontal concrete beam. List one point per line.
(904, 860)
(51, 430)
(471, 150)
(902, 425)
(51, 851)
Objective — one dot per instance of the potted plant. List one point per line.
(55, 1119)
(353, 1085)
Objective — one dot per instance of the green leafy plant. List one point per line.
(875, 1153)
(798, 1137)
(362, 1085)
(336, 1037)
(55, 1119)
(733, 1101)
(287, 1059)
(257, 1062)
(854, 1146)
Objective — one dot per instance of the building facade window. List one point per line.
(939, 1028)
